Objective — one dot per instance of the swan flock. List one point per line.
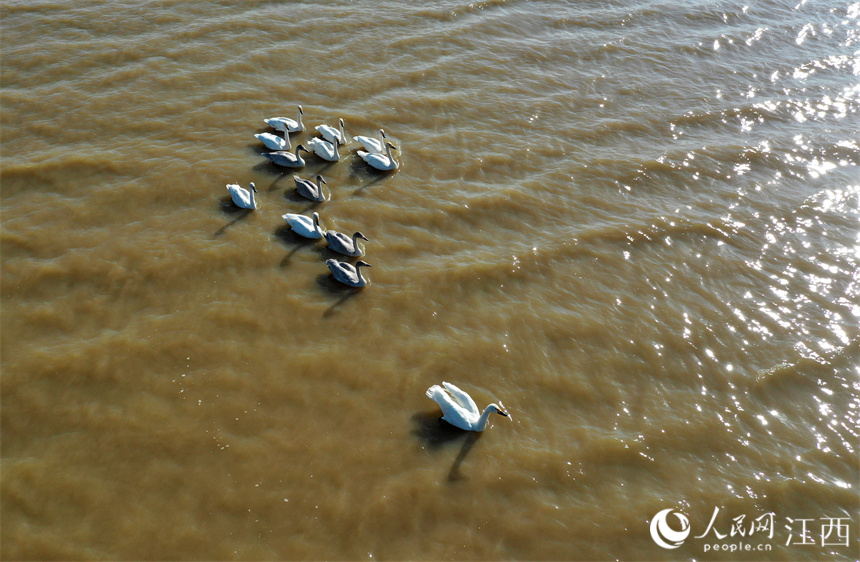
(458, 408)
(282, 153)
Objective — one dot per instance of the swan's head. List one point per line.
(322, 179)
(382, 133)
(302, 147)
(499, 410)
(362, 236)
(391, 145)
(341, 121)
(253, 187)
(361, 263)
(302, 111)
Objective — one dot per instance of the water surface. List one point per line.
(635, 224)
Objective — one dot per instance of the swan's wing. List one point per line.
(371, 157)
(463, 399)
(336, 238)
(342, 270)
(239, 194)
(452, 412)
(370, 144)
(277, 123)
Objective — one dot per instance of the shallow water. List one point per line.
(634, 224)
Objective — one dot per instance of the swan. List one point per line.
(346, 273)
(274, 142)
(459, 409)
(343, 244)
(242, 197)
(287, 159)
(324, 149)
(382, 162)
(371, 144)
(309, 189)
(305, 226)
(329, 133)
(286, 124)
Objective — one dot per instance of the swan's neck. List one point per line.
(298, 158)
(253, 199)
(299, 121)
(317, 223)
(355, 240)
(485, 416)
(342, 136)
(358, 272)
(287, 138)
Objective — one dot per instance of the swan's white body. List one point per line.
(459, 409)
(371, 144)
(287, 159)
(309, 189)
(309, 227)
(242, 197)
(324, 149)
(383, 162)
(347, 273)
(331, 134)
(343, 244)
(274, 142)
(286, 124)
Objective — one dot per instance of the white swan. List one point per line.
(242, 197)
(331, 134)
(286, 124)
(343, 244)
(346, 273)
(274, 142)
(384, 162)
(371, 144)
(324, 149)
(459, 409)
(309, 189)
(309, 227)
(287, 159)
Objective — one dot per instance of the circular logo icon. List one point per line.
(666, 536)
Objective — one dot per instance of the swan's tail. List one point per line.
(433, 391)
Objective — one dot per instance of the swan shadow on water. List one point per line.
(367, 175)
(333, 287)
(286, 235)
(436, 433)
(229, 208)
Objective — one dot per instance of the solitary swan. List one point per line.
(274, 142)
(309, 189)
(459, 409)
(324, 149)
(286, 124)
(382, 162)
(343, 244)
(371, 144)
(331, 134)
(346, 273)
(305, 226)
(242, 197)
(287, 159)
